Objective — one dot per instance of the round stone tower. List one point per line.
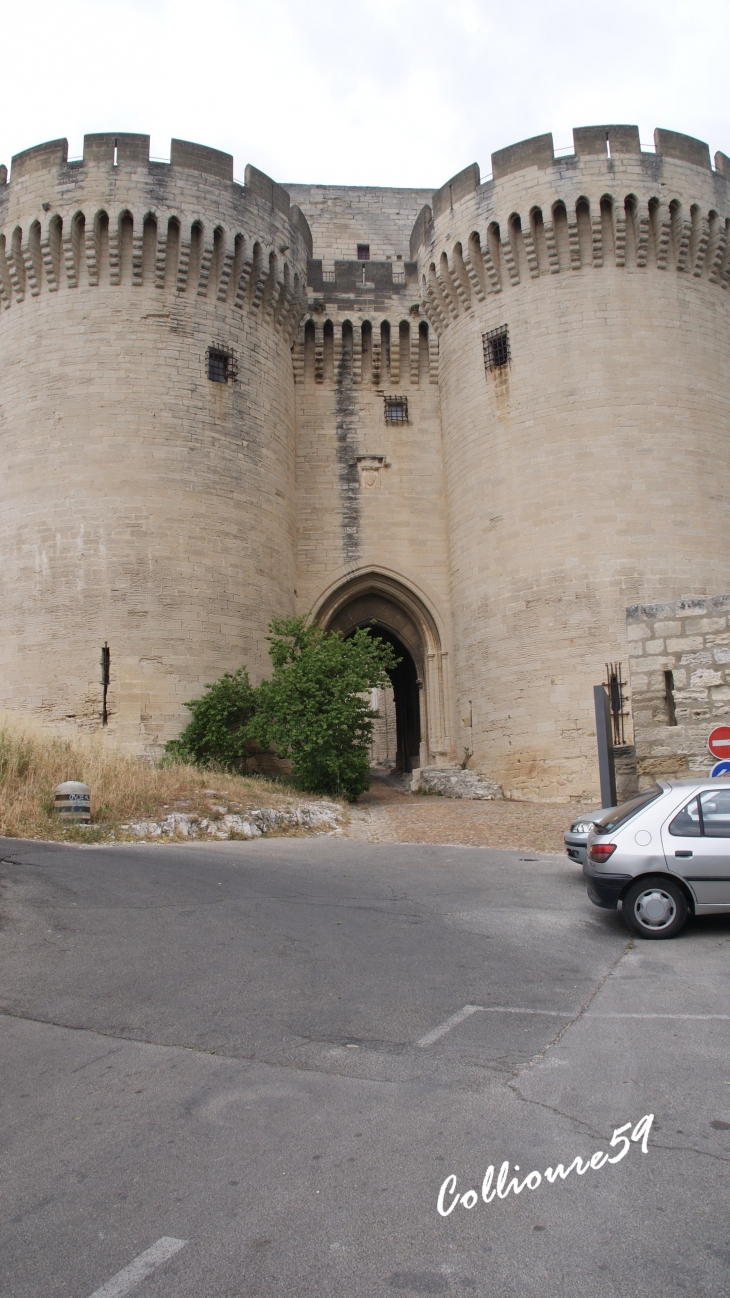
(147, 312)
(583, 317)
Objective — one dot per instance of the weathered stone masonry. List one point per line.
(499, 528)
(680, 683)
(143, 505)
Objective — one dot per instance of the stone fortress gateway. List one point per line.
(492, 418)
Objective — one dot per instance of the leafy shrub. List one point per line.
(218, 729)
(313, 709)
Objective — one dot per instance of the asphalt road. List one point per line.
(270, 1053)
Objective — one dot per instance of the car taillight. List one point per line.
(601, 851)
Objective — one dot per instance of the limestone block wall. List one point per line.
(384, 743)
(370, 494)
(142, 505)
(561, 337)
(587, 473)
(680, 683)
(342, 216)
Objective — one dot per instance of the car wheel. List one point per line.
(655, 908)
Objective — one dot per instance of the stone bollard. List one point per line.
(72, 802)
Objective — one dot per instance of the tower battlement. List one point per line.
(606, 205)
(117, 218)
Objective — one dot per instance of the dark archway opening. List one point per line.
(406, 686)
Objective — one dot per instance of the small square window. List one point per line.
(218, 363)
(396, 410)
(496, 348)
(363, 252)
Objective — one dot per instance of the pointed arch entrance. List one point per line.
(420, 683)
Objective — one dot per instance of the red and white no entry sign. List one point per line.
(719, 741)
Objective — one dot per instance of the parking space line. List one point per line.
(130, 1276)
(436, 1033)
(448, 1024)
(618, 1014)
(468, 1010)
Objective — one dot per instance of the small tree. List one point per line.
(220, 723)
(312, 709)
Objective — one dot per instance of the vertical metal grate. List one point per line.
(496, 348)
(615, 687)
(396, 410)
(217, 367)
(220, 363)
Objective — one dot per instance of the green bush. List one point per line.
(312, 709)
(217, 733)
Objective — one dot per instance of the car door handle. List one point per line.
(682, 853)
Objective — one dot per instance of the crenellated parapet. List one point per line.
(364, 326)
(116, 220)
(606, 205)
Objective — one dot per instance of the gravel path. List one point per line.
(385, 815)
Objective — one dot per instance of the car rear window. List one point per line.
(614, 819)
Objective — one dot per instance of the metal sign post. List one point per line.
(604, 737)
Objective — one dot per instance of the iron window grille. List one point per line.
(496, 348)
(221, 365)
(396, 410)
(617, 699)
(363, 252)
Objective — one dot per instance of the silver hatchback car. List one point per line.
(663, 854)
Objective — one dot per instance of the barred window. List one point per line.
(221, 364)
(496, 348)
(396, 410)
(217, 367)
(363, 252)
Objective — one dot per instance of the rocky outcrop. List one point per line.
(317, 817)
(453, 782)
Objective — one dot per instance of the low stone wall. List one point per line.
(680, 683)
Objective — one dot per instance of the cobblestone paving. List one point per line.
(385, 815)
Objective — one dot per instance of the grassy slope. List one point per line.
(33, 762)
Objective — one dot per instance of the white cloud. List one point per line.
(383, 92)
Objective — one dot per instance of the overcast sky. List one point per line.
(379, 92)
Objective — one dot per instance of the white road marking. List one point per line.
(436, 1033)
(468, 1010)
(130, 1276)
(448, 1024)
(618, 1015)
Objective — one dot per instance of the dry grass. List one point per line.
(33, 762)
